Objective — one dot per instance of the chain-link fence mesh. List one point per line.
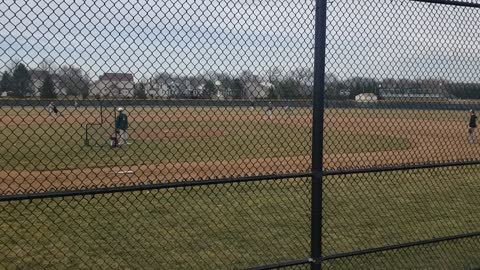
(235, 225)
(456, 254)
(106, 104)
(178, 135)
(401, 92)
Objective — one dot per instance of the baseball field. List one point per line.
(235, 225)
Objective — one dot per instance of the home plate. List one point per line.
(124, 172)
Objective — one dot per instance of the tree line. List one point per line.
(18, 84)
(274, 84)
(348, 88)
(70, 80)
(296, 84)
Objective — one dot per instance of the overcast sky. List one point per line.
(381, 38)
(399, 38)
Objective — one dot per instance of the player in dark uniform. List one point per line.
(472, 125)
(121, 125)
(55, 110)
(269, 109)
(52, 109)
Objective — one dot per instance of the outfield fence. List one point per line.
(405, 104)
(239, 135)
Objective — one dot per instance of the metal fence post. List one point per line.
(101, 112)
(317, 133)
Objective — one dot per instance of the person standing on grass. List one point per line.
(269, 109)
(472, 125)
(252, 105)
(121, 126)
(52, 109)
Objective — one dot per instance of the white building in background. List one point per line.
(366, 97)
(114, 85)
(157, 89)
(219, 91)
(344, 92)
(257, 89)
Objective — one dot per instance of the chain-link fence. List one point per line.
(198, 135)
(400, 149)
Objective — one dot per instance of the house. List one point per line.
(257, 89)
(366, 97)
(344, 92)
(220, 91)
(119, 85)
(196, 87)
(157, 89)
(38, 77)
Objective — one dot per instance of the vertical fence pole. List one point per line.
(101, 112)
(317, 133)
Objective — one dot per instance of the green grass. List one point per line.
(430, 115)
(235, 225)
(241, 225)
(61, 146)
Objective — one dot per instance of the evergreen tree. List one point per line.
(21, 82)
(5, 83)
(139, 91)
(48, 88)
(288, 89)
(272, 93)
(209, 91)
(238, 89)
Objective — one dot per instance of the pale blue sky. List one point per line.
(401, 38)
(382, 38)
(148, 36)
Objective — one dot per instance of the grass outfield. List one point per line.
(234, 225)
(241, 225)
(54, 145)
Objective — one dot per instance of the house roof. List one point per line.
(116, 77)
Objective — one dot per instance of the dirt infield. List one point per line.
(429, 141)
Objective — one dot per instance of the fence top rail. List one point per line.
(450, 3)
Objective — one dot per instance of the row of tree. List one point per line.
(349, 88)
(73, 81)
(245, 85)
(67, 80)
(18, 84)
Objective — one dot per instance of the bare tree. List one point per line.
(274, 74)
(304, 79)
(74, 81)
(47, 64)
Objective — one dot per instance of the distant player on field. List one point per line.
(472, 125)
(252, 105)
(52, 109)
(121, 125)
(269, 109)
(288, 109)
